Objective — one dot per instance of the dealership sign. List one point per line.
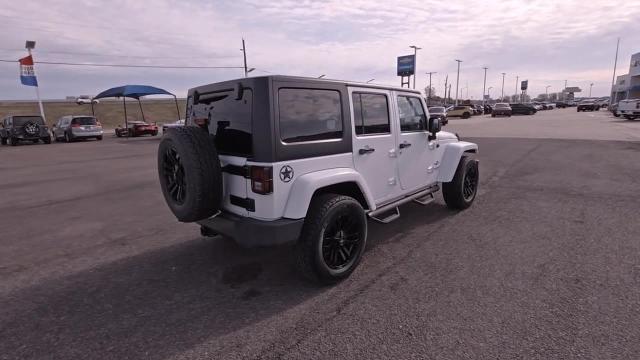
(406, 65)
(27, 73)
(524, 85)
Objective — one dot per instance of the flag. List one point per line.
(27, 73)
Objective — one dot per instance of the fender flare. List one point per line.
(451, 158)
(306, 185)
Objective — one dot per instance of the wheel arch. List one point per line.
(343, 181)
(453, 152)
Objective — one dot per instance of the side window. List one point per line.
(411, 113)
(309, 114)
(371, 114)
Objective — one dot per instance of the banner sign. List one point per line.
(406, 65)
(27, 73)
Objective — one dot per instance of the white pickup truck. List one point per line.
(630, 108)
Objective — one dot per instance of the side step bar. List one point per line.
(423, 197)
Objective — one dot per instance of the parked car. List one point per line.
(550, 106)
(439, 112)
(82, 100)
(295, 173)
(588, 105)
(14, 129)
(487, 109)
(561, 104)
(175, 124)
(71, 128)
(614, 109)
(501, 109)
(538, 106)
(479, 109)
(462, 111)
(137, 128)
(522, 109)
(603, 102)
(630, 109)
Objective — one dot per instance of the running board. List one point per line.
(423, 197)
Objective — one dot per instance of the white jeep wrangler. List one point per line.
(278, 159)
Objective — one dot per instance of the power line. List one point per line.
(128, 65)
(208, 56)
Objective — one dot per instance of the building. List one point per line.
(627, 86)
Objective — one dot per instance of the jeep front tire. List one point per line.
(333, 238)
(460, 192)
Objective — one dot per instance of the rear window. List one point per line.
(230, 120)
(84, 121)
(21, 120)
(371, 114)
(309, 114)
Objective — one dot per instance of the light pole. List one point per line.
(484, 84)
(546, 92)
(415, 63)
(244, 54)
(590, 87)
(370, 80)
(429, 97)
(564, 91)
(502, 93)
(517, 79)
(457, 80)
(489, 92)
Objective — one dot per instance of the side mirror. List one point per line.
(434, 127)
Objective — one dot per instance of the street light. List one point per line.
(502, 94)
(489, 92)
(590, 86)
(415, 63)
(484, 84)
(457, 80)
(370, 80)
(429, 97)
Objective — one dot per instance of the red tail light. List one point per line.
(75, 125)
(262, 179)
(200, 121)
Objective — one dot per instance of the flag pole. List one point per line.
(38, 94)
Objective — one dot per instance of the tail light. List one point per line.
(262, 179)
(202, 122)
(75, 125)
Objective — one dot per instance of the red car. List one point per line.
(137, 128)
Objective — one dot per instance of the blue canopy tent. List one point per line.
(135, 92)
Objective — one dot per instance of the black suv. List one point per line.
(13, 129)
(523, 109)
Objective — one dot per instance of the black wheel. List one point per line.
(493, 115)
(35, 141)
(155, 133)
(531, 112)
(14, 141)
(46, 140)
(190, 174)
(466, 115)
(460, 192)
(118, 134)
(333, 238)
(67, 137)
(3, 140)
(99, 138)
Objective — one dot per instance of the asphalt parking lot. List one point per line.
(543, 265)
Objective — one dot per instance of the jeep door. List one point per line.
(417, 158)
(374, 142)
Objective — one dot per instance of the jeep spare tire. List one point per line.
(190, 173)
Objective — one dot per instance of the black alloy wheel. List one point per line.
(470, 183)
(341, 240)
(173, 172)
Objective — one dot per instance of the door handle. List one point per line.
(366, 150)
(404, 145)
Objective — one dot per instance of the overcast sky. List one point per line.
(545, 42)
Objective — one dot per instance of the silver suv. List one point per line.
(71, 128)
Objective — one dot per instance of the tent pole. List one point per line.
(177, 107)
(139, 103)
(126, 121)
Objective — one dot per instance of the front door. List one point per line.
(374, 142)
(417, 160)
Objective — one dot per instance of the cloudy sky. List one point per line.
(545, 42)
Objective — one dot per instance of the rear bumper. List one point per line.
(250, 232)
(81, 134)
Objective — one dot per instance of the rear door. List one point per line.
(374, 141)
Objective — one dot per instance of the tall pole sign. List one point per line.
(28, 74)
(406, 68)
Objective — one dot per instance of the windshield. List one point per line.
(436, 109)
(84, 121)
(21, 120)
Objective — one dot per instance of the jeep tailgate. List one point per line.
(234, 184)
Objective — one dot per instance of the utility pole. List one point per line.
(445, 89)
(244, 53)
(429, 97)
(517, 79)
(484, 84)
(590, 87)
(457, 80)
(502, 94)
(564, 91)
(415, 63)
(613, 79)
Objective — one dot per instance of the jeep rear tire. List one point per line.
(460, 192)
(333, 238)
(14, 141)
(190, 173)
